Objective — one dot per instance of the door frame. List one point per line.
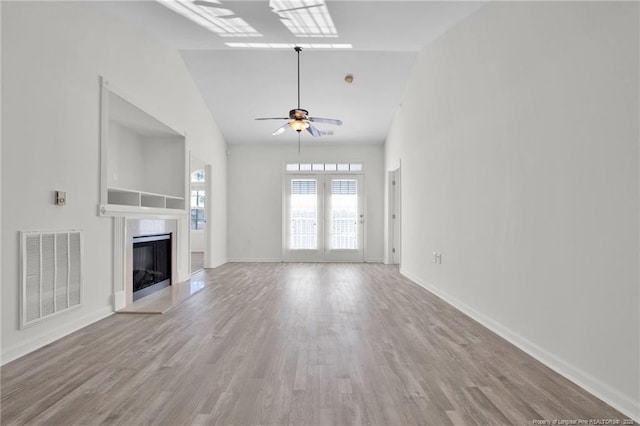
(321, 255)
(344, 255)
(394, 206)
(207, 211)
(302, 255)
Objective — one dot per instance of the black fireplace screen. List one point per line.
(151, 261)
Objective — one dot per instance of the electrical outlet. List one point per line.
(440, 258)
(435, 257)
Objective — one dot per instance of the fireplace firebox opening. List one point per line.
(151, 264)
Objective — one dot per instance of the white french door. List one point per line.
(324, 218)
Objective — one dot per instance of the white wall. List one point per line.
(255, 195)
(52, 56)
(197, 240)
(518, 137)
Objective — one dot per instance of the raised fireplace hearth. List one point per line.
(151, 264)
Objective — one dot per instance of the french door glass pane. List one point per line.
(197, 219)
(344, 214)
(304, 214)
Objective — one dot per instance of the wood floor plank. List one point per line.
(291, 344)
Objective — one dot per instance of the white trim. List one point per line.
(49, 336)
(119, 262)
(217, 265)
(611, 396)
(119, 300)
(278, 260)
(391, 209)
(253, 260)
(140, 212)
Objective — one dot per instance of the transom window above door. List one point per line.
(324, 167)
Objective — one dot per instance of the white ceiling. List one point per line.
(239, 85)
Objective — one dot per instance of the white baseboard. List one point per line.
(254, 260)
(613, 397)
(49, 336)
(217, 264)
(269, 260)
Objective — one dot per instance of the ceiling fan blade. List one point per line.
(272, 118)
(314, 131)
(280, 129)
(333, 121)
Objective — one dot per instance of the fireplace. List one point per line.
(151, 264)
(125, 230)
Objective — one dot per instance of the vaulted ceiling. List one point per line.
(241, 83)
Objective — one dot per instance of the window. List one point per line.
(326, 167)
(198, 176)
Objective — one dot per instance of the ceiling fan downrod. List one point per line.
(298, 49)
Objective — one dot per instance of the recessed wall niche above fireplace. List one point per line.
(143, 161)
(151, 264)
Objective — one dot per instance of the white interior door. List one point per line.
(324, 218)
(396, 217)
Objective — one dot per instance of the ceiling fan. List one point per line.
(299, 119)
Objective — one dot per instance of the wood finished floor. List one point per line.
(297, 344)
(197, 261)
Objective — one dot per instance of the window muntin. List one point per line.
(324, 167)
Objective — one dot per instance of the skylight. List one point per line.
(305, 18)
(216, 19)
(291, 45)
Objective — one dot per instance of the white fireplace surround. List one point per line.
(124, 231)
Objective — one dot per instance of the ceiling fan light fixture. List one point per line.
(299, 119)
(298, 125)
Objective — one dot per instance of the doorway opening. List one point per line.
(324, 218)
(199, 205)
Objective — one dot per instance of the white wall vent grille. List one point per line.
(51, 273)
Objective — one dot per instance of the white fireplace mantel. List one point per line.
(124, 229)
